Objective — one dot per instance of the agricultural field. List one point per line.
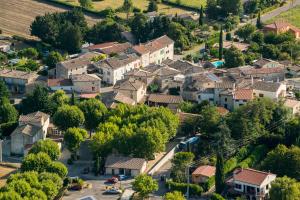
(16, 16)
(190, 3)
(4, 173)
(292, 16)
(141, 4)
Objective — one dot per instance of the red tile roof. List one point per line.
(250, 176)
(89, 96)
(205, 170)
(243, 94)
(222, 111)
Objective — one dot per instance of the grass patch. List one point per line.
(292, 16)
(141, 4)
(190, 3)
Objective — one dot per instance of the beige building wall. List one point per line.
(87, 86)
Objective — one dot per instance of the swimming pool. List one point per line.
(218, 63)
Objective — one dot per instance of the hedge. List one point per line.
(195, 190)
(257, 155)
(180, 5)
(101, 13)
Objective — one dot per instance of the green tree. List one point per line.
(73, 138)
(285, 188)
(36, 162)
(3, 90)
(94, 111)
(174, 196)
(233, 58)
(86, 3)
(3, 58)
(212, 9)
(53, 58)
(270, 51)
(259, 24)
(221, 44)
(47, 146)
(20, 186)
(216, 196)
(68, 117)
(58, 168)
(220, 173)
(209, 120)
(144, 185)
(8, 112)
(127, 7)
(245, 32)
(139, 25)
(258, 37)
(30, 53)
(36, 194)
(105, 31)
(201, 16)
(283, 161)
(58, 99)
(228, 7)
(180, 162)
(36, 101)
(10, 195)
(70, 38)
(152, 6)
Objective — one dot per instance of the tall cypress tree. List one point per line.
(201, 16)
(221, 44)
(220, 174)
(258, 21)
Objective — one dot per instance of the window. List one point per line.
(244, 100)
(261, 95)
(267, 187)
(93, 88)
(225, 99)
(238, 186)
(257, 189)
(241, 104)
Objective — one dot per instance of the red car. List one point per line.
(112, 180)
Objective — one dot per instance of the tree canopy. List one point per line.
(47, 146)
(73, 137)
(144, 185)
(285, 188)
(68, 117)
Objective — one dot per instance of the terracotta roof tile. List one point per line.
(250, 176)
(243, 94)
(205, 170)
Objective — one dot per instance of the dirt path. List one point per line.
(16, 16)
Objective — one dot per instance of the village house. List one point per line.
(232, 99)
(86, 83)
(278, 27)
(270, 90)
(113, 69)
(170, 101)
(266, 63)
(80, 83)
(109, 48)
(132, 88)
(203, 173)
(186, 68)
(75, 66)
(32, 127)
(293, 71)
(120, 165)
(19, 82)
(254, 184)
(142, 75)
(155, 51)
(293, 105)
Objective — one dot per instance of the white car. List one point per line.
(113, 191)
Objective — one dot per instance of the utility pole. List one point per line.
(188, 182)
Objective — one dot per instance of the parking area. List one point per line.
(96, 190)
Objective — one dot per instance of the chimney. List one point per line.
(252, 81)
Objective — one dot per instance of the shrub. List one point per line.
(257, 154)
(195, 190)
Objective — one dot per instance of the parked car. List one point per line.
(112, 180)
(122, 177)
(113, 191)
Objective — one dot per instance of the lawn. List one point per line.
(142, 4)
(292, 16)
